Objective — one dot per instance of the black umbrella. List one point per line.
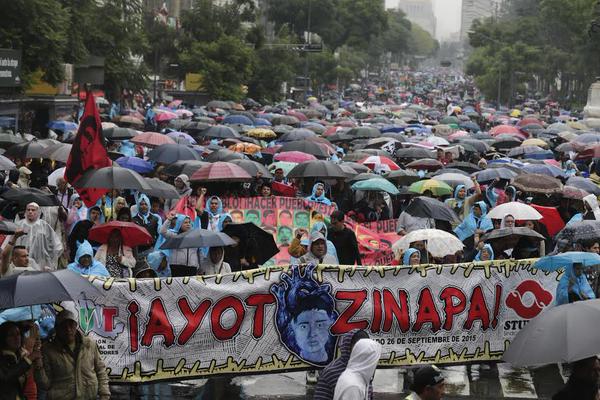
(366, 132)
(197, 238)
(33, 149)
(187, 167)
(580, 230)
(464, 166)
(426, 207)
(218, 104)
(414, 152)
(306, 146)
(259, 244)
(119, 133)
(297, 134)
(253, 168)
(160, 189)
(494, 173)
(7, 227)
(58, 152)
(170, 153)
(356, 166)
(9, 139)
(112, 178)
(30, 288)
(584, 183)
(317, 169)
(403, 177)
(224, 155)
(220, 132)
(479, 145)
(30, 195)
(507, 238)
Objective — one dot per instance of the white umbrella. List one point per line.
(439, 243)
(564, 334)
(519, 211)
(454, 179)
(59, 173)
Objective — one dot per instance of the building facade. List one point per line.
(473, 10)
(420, 12)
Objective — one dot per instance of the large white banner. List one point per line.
(286, 318)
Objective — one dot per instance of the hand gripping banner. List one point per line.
(290, 318)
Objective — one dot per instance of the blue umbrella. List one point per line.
(541, 155)
(7, 122)
(237, 119)
(65, 126)
(135, 164)
(563, 260)
(544, 169)
(261, 122)
(392, 128)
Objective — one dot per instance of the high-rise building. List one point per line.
(473, 10)
(420, 12)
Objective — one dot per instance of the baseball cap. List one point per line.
(64, 315)
(429, 375)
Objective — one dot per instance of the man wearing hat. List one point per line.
(428, 384)
(71, 367)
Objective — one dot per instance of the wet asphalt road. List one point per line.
(497, 381)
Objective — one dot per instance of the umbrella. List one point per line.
(426, 207)
(454, 180)
(536, 183)
(437, 188)
(129, 120)
(585, 184)
(65, 126)
(285, 166)
(119, 133)
(112, 178)
(175, 135)
(524, 150)
(317, 169)
(366, 132)
(260, 245)
(136, 164)
(6, 164)
(356, 166)
(544, 169)
(218, 104)
(163, 115)
(375, 162)
(508, 233)
(237, 119)
(572, 192)
(520, 211)
(403, 177)
(221, 171)
(439, 243)
(7, 227)
(224, 155)
(187, 167)
(261, 133)
(427, 164)
(132, 233)
(161, 189)
(560, 334)
(24, 196)
(33, 149)
(306, 146)
(58, 152)
(297, 134)
(197, 238)
(170, 153)
(580, 230)
(567, 259)
(30, 288)
(9, 139)
(414, 152)
(285, 120)
(152, 139)
(253, 168)
(464, 166)
(294, 156)
(376, 185)
(220, 132)
(494, 173)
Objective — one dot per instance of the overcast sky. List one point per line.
(447, 13)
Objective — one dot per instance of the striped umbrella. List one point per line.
(221, 171)
(152, 139)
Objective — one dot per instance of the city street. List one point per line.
(495, 382)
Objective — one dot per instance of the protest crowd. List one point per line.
(422, 173)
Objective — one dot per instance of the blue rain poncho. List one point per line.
(471, 223)
(95, 268)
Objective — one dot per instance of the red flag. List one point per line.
(88, 151)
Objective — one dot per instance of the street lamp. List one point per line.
(499, 69)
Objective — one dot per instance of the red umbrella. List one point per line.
(132, 234)
(294, 156)
(152, 139)
(271, 150)
(551, 219)
(298, 115)
(375, 161)
(507, 130)
(221, 171)
(530, 121)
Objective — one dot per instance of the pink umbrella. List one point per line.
(298, 115)
(508, 130)
(221, 171)
(294, 156)
(162, 115)
(182, 113)
(458, 134)
(553, 162)
(175, 103)
(152, 139)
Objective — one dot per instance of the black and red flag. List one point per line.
(88, 151)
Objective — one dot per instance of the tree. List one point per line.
(38, 28)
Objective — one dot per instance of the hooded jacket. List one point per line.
(407, 254)
(207, 267)
(189, 257)
(148, 220)
(354, 382)
(154, 260)
(213, 221)
(310, 258)
(96, 268)
(578, 284)
(320, 199)
(471, 223)
(329, 376)
(490, 251)
(320, 227)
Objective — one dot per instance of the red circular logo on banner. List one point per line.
(541, 299)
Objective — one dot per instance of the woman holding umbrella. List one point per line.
(116, 257)
(184, 262)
